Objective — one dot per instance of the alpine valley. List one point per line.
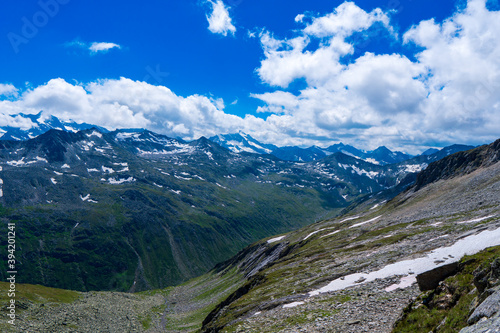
(132, 231)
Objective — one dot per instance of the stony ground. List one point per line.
(91, 312)
(367, 308)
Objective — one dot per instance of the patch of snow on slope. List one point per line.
(41, 159)
(119, 181)
(17, 163)
(107, 170)
(476, 220)
(210, 155)
(331, 234)
(292, 305)
(372, 161)
(413, 168)
(465, 246)
(350, 218)
(95, 133)
(361, 223)
(315, 232)
(53, 181)
(182, 178)
(277, 239)
(65, 166)
(85, 198)
(369, 174)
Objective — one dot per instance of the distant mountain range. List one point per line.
(41, 124)
(241, 142)
(237, 142)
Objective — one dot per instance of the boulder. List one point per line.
(486, 309)
(430, 280)
(491, 325)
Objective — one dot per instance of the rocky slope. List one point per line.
(294, 293)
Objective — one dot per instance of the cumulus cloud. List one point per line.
(125, 103)
(219, 21)
(103, 47)
(95, 47)
(447, 95)
(289, 59)
(7, 90)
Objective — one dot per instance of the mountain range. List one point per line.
(236, 142)
(390, 262)
(75, 195)
(240, 142)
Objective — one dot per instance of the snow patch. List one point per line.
(405, 282)
(53, 181)
(292, 305)
(95, 133)
(413, 168)
(119, 181)
(85, 198)
(476, 220)
(210, 155)
(65, 166)
(361, 223)
(330, 234)
(41, 159)
(273, 240)
(16, 163)
(107, 170)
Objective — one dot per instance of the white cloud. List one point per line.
(15, 121)
(103, 47)
(125, 103)
(289, 59)
(7, 90)
(94, 47)
(448, 95)
(219, 21)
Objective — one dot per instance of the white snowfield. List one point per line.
(438, 257)
(292, 305)
(277, 239)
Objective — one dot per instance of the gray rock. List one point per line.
(491, 325)
(488, 308)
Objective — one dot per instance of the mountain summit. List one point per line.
(37, 124)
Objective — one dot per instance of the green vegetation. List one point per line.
(37, 294)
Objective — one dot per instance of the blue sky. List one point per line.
(288, 72)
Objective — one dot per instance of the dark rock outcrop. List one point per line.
(430, 280)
